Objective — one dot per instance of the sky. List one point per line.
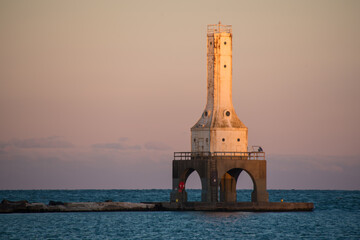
(99, 94)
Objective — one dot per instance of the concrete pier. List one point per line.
(25, 207)
(239, 206)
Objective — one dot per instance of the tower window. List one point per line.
(194, 139)
(225, 66)
(207, 140)
(210, 43)
(227, 113)
(205, 113)
(238, 139)
(223, 139)
(224, 43)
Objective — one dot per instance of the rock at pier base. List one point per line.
(7, 206)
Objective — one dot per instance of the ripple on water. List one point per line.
(337, 215)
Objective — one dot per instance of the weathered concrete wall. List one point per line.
(229, 140)
(212, 170)
(181, 171)
(201, 140)
(256, 170)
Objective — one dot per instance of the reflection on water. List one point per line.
(222, 215)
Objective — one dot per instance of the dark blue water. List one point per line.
(336, 216)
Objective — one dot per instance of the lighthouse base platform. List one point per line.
(236, 206)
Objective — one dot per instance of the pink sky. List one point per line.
(99, 94)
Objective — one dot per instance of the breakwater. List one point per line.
(26, 207)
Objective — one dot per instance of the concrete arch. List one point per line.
(187, 172)
(257, 172)
(236, 170)
(248, 172)
(212, 170)
(228, 182)
(181, 172)
(194, 175)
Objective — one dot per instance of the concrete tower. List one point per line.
(219, 129)
(219, 139)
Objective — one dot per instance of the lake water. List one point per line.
(336, 216)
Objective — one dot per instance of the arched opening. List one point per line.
(244, 187)
(230, 192)
(192, 185)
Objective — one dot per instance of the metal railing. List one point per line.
(219, 155)
(218, 28)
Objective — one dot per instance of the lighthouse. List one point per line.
(219, 140)
(219, 129)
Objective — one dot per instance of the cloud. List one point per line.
(314, 162)
(49, 142)
(313, 172)
(123, 139)
(118, 146)
(156, 146)
(3, 145)
(77, 168)
(88, 169)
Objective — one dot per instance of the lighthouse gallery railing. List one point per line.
(219, 155)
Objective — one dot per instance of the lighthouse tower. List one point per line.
(219, 129)
(219, 139)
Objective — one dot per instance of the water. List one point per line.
(336, 216)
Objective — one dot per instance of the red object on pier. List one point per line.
(181, 186)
